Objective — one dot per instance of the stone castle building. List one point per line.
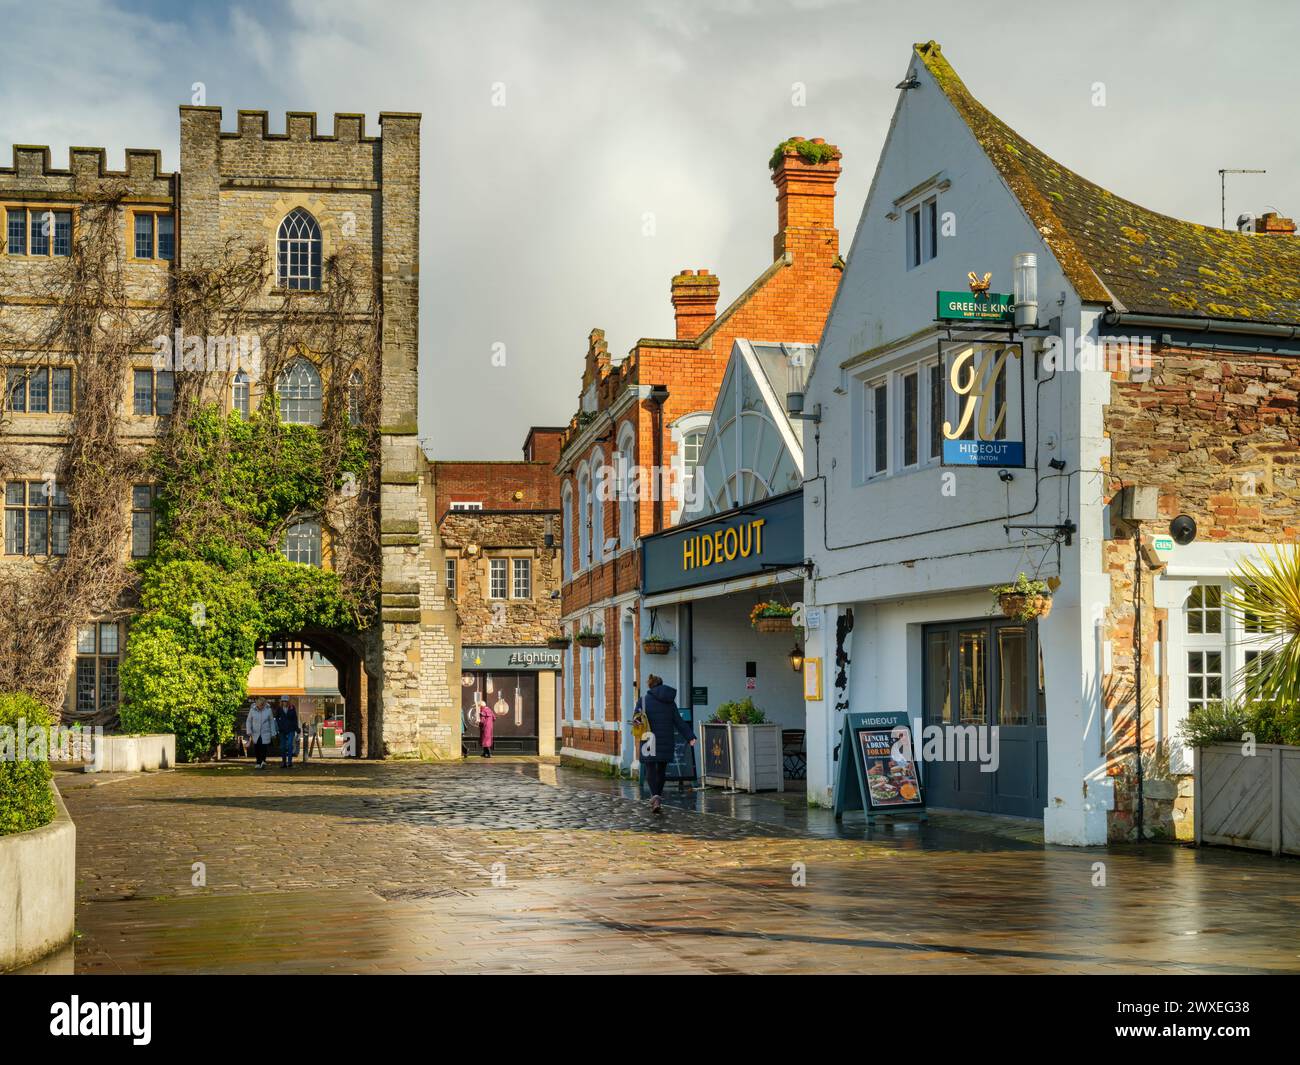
(308, 196)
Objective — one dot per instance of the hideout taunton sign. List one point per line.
(740, 542)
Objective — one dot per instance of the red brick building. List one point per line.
(627, 455)
(499, 524)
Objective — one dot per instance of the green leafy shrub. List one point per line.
(217, 583)
(740, 712)
(1272, 723)
(1218, 722)
(1228, 722)
(26, 799)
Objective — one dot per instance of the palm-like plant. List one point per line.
(1266, 597)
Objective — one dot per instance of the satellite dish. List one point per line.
(1182, 529)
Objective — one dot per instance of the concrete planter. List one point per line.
(1251, 802)
(133, 754)
(38, 881)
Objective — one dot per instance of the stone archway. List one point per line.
(346, 653)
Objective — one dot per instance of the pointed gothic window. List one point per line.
(298, 251)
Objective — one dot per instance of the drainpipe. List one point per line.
(658, 394)
(686, 659)
(1137, 665)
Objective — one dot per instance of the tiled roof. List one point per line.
(1119, 253)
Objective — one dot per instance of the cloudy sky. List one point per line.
(618, 111)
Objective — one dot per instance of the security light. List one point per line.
(1024, 288)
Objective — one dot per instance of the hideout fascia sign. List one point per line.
(740, 542)
(989, 430)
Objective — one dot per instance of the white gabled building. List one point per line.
(904, 548)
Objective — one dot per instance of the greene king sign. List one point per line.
(980, 307)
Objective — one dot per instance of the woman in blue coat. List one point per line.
(659, 704)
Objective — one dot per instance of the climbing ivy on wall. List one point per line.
(218, 582)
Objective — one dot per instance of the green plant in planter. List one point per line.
(1266, 598)
(739, 712)
(1217, 722)
(590, 636)
(26, 801)
(1024, 599)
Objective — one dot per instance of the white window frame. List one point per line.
(495, 566)
(307, 531)
(921, 220)
(597, 508)
(871, 404)
(566, 530)
(518, 566)
(627, 505)
(695, 422)
(584, 518)
(466, 504)
(900, 420)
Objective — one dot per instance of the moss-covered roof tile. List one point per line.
(1117, 252)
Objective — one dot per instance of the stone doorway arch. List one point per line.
(346, 652)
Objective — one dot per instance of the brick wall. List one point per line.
(1219, 435)
(497, 485)
(789, 302)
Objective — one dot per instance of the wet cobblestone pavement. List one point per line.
(514, 866)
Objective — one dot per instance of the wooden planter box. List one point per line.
(656, 647)
(755, 757)
(558, 645)
(774, 624)
(1251, 802)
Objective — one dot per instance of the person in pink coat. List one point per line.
(486, 725)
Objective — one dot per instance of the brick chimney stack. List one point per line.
(805, 199)
(695, 302)
(1271, 223)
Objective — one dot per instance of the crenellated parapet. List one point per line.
(33, 176)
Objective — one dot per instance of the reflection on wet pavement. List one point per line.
(515, 866)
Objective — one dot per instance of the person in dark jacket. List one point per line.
(287, 722)
(659, 704)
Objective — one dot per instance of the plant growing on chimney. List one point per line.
(809, 151)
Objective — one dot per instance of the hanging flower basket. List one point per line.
(656, 645)
(772, 617)
(557, 643)
(1025, 600)
(589, 638)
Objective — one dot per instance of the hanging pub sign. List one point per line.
(985, 384)
(877, 766)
